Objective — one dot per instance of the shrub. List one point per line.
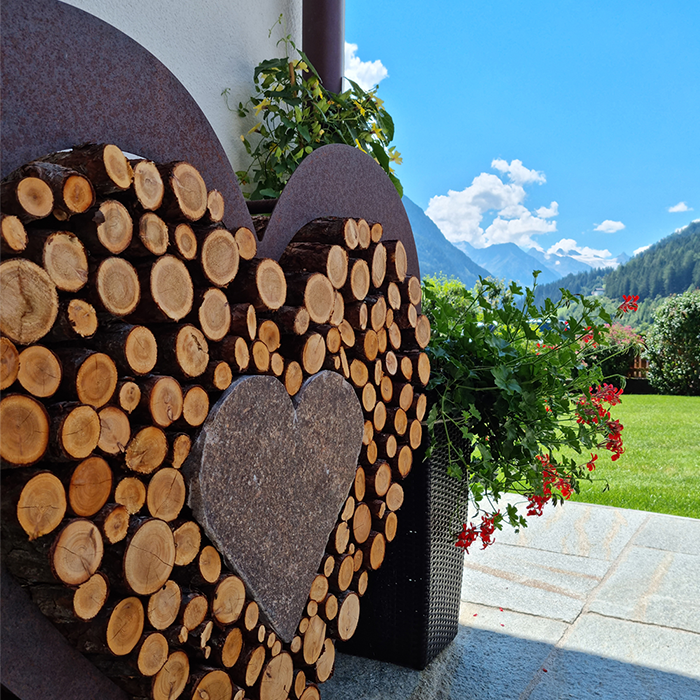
(673, 345)
(298, 115)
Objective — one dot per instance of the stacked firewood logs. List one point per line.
(127, 309)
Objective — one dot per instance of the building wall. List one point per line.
(209, 45)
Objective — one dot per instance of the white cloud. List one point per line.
(641, 250)
(366, 74)
(590, 256)
(548, 212)
(681, 206)
(460, 215)
(609, 226)
(518, 173)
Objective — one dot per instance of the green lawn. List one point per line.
(660, 469)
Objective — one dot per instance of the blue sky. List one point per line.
(539, 122)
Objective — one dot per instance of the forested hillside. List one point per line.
(670, 266)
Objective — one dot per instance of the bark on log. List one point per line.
(104, 165)
(133, 348)
(72, 193)
(89, 375)
(329, 230)
(329, 260)
(261, 282)
(218, 375)
(27, 198)
(291, 320)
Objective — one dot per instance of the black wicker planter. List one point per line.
(411, 610)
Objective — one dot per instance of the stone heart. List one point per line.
(268, 478)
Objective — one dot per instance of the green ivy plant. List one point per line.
(297, 115)
(513, 398)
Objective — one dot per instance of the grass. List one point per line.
(660, 469)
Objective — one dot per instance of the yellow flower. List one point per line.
(261, 106)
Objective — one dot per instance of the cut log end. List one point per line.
(220, 257)
(118, 286)
(77, 552)
(24, 426)
(171, 287)
(41, 505)
(29, 301)
(148, 185)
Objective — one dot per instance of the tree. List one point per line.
(673, 345)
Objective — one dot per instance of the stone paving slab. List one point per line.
(670, 533)
(653, 586)
(532, 581)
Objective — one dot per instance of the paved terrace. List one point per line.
(587, 602)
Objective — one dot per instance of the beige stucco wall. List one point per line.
(209, 45)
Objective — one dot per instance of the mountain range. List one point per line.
(437, 256)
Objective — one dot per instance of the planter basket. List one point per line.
(410, 612)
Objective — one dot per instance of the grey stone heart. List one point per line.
(267, 478)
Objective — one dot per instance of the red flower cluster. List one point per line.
(469, 534)
(629, 303)
(591, 464)
(591, 410)
(550, 479)
(614, 443)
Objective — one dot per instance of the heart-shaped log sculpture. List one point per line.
(255, 475)
(104, 402)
